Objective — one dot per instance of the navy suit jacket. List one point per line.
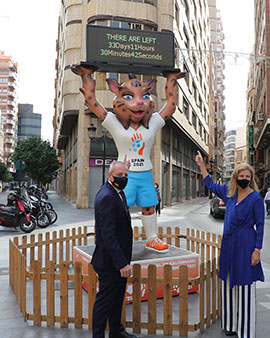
(114, 235)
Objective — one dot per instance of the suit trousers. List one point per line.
(238, 309)
(108, 303)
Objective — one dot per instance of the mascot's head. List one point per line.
(132, 101)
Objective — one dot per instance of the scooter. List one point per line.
(17, 212)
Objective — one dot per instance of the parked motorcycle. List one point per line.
(44, 206)
(42, 216)
(17, 212)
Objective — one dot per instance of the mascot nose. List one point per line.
(140, 102)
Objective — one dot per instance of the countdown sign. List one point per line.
(129, 50)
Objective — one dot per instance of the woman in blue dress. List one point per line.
(239, 266)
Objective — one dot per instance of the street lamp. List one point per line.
(91, 132)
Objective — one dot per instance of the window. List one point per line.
(186, 38)
(194, 120)
(185, 3)
(185, 108)
(177, 15)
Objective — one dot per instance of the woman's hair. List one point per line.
(233, 184)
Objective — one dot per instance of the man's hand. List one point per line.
(126, 271)
(127, 162)
(255, 258)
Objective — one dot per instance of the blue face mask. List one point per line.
(120, 182)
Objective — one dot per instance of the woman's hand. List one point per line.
(199, 159)
(200, 162)
(255, 258)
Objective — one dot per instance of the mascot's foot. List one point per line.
(157, 245)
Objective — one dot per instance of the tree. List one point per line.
(40, 159)
(5, 175)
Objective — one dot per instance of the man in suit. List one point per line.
(112, 255)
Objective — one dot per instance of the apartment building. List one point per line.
(29, 123)
(176, 145)
(240, 150)
(229, 154)
(258, 97)
(216, 90)
(8, 106)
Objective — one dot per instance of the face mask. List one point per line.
(120, 182)
(243, 183)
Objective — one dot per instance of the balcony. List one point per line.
(10, 103)
(12, 84)
(12, 122)
(11, 112)
(9, 140)
(9, 131)
(262, 135)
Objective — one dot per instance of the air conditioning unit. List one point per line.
(261, 117)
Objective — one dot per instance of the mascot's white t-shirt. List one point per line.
(136, 144)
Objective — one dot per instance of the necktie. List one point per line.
(122, 194)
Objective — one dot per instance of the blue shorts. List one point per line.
(140, 189)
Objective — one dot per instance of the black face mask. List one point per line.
(243, 183)
(120, 182)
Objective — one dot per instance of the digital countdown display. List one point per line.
(108, 47)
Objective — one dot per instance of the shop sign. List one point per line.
(98, 162)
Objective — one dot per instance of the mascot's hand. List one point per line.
(81, 71)
(177, 76)
(88, 83)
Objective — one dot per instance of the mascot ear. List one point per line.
(151, 84)
(113, 85)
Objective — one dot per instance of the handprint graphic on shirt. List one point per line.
(137, 143)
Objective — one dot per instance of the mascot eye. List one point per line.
(128, 96)
(146, 96)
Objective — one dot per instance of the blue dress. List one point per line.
(243, 231)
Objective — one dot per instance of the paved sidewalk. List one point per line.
(11, 321)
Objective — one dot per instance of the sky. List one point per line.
(238, 26)
(30, 33)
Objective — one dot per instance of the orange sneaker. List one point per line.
(157, 245)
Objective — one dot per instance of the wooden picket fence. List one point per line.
(45, 280)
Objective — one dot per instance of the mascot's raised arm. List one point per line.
(133, 126)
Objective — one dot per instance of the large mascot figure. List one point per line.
(133, 127)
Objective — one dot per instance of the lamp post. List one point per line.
(104, 132)
(91, 132)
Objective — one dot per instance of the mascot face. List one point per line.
(133, 102)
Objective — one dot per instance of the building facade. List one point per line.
(173, 153)
(8, 107)
(258, 98)
(216, 88)
(240, 155)
(29, 123)
(229, 154)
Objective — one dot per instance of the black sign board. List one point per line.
(129, 51)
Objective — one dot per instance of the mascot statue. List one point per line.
(133, 126)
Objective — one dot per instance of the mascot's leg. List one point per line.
(149, 221)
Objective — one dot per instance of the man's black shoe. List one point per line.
(230, 333)
(123, 334)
